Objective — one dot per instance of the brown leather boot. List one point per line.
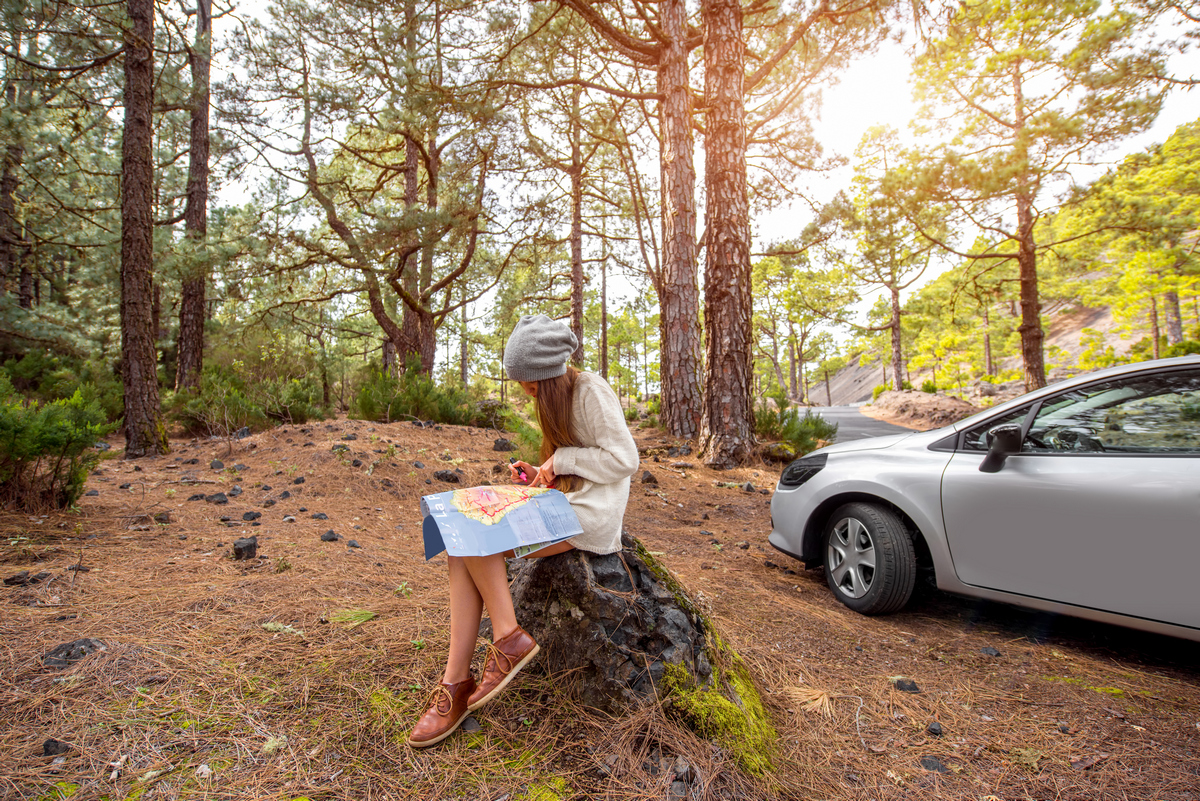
(505, 658)
(447, 709)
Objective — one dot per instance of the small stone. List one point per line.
(302, 509)
(683, 769)
(199, 496)
(54, 747)
(298, 480)
(243, 432)
(419, 465)
(235, 491)
(356, 463)
(241, 468)
(934, 728)
(353, 544)
(92, 493)
(245, 548)
(320, 516)
(428, 481)
(448, 476)
(217, 498)
(682, 465)
(289, 519)
(268, 503)
(704, 516)
(503, 444)
(745, 546)
(126, 485)
(934, 764)
(989, 651)
(470, 724)
(265, 488)
(283, 496)
(748, 487)
(248, 516)
(216, 464)
(330, 536)
(162, 517)
(678, 790)
(339, 449)
(192, 461)
(648, 477)
(769, 563)
(907, 686)
(350, 437)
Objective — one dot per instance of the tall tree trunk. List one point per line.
(987, 341)
(1155, 333)
(409, 343)
(576, 134)
(427, 343)
(145, 433)
(195, 214)
(1032, 336)
(793, 384)
(463, 352)
(679, 320)
(897, 352)
(25, 286)
(828, 391)
(1174, 318)
(726, 425)
(604, 318)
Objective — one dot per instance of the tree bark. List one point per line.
(727, 422)
(897, 351)
(604, 318)
(679, 319)
(1174, 318)
(576, 135)
(1155, 333)
(145, 433)
(1032, 336)
(195, 214)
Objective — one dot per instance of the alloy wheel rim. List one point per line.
(851, 557)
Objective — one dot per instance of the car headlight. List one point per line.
(802, 470)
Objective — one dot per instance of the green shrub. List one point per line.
(47, 450)
(285, 400)
(929, 386)
(44, 377)
(787, 425)
(222, 408)
(1181, 348)
(384, 398)
(879, 390)
(654, 406)
(906, 385)
(631, 414)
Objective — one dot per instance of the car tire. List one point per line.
(870, 564)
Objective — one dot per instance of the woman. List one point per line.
(588, 453)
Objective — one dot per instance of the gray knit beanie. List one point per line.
(538, 348)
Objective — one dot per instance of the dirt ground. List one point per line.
(919, 410)
(228, 679)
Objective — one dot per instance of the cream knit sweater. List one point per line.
(605, 461)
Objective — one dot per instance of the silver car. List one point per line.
(1081, 498)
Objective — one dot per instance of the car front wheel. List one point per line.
(869, 560)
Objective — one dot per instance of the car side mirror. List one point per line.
(1002, 441)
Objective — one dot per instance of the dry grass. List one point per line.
(192, 682)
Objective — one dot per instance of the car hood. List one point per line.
(868, 444)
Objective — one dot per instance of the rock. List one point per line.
(199, 496)
(349, 437)
(126, 485)
(989, 651)
(356, 463)
(419, 465)
(265, 488)
(62, 656)
(23, 578)
(162, 518)
(906, 685)
(235, 491)
(934, 728)
(340, 449)
(283, 496)
(683, 770)
(320, 516)
(248, 516)
(748, 487)
(353, 544)
(470, 724)
(330, 536)
(299, 480)
(677, 791)
(217, 498)
(192, 461)
(246, 548)
(449, 476)
(216, 464)
(54, 747)
(503, 444)
(92, 493)
(243, 432)
(779, 452)
(681, 450)
(268, 503)
(289, 519)
(648, 477)
(745, 546)
(934, 764)
(241, 468)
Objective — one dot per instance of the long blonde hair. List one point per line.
(554, 402)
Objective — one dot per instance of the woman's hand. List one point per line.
(521, 472)
(545, 474)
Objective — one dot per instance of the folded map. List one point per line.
(485, 520)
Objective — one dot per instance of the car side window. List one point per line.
(1152, 414)
(976, 439)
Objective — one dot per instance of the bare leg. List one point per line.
(491, 582)
(466, 609)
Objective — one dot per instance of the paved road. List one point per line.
(853, 424)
